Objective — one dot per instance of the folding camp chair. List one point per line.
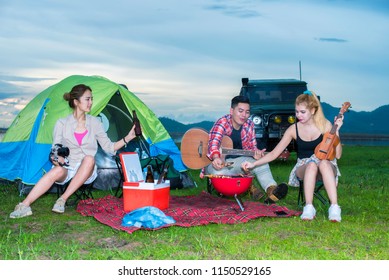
(316, 193)
(84, 192)
(119, 189)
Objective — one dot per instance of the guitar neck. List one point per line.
(236, 152)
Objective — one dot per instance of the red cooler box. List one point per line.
(137, 193)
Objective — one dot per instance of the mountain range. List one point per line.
(362, 123)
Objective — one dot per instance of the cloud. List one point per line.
(9, 108)
(233, 10)
(185, 59)
(22, 79)
(331, 40)
(15, 102)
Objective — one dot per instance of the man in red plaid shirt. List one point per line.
(240, 129)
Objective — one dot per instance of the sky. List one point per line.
(185, 59)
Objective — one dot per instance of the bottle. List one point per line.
(137, 151)
(156, 174)
(161, 178)
(144, 155)
(135, 120)
(149, 175)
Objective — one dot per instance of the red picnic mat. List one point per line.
(187, 211)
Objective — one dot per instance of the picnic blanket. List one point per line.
(187, 211)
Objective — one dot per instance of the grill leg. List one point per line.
(239, 201)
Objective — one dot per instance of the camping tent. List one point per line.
(25, 146)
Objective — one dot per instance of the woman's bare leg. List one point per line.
(83, 173)
(56, 174)
(309, 173)
(328, 176)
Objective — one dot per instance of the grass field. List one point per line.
(363, 233)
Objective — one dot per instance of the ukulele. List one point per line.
(194, 149)
(326, 148)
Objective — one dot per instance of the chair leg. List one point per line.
(119, 189)
(319, 196)
(84, 192)
(209, 186)
(316, 193)
(61, 189)
(301, 197)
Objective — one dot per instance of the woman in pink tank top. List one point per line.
(80, 133)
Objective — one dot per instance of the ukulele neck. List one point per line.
(335, 126)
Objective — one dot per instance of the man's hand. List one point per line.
(217, 163)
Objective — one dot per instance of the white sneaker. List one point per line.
(59, 206)
(21, 211)
(334, 213)
(309, 213)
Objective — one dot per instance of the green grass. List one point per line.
(363, 233)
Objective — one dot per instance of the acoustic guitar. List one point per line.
(194, 149)
(327, 147)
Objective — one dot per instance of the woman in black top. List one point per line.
(308, 133)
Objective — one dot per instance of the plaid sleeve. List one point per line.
(249, 141)
(215, 138)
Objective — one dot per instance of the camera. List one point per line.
(58, 150)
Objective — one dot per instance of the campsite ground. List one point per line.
(363, 233)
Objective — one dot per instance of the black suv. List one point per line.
(272, 108)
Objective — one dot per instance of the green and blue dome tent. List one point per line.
(25, 146)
